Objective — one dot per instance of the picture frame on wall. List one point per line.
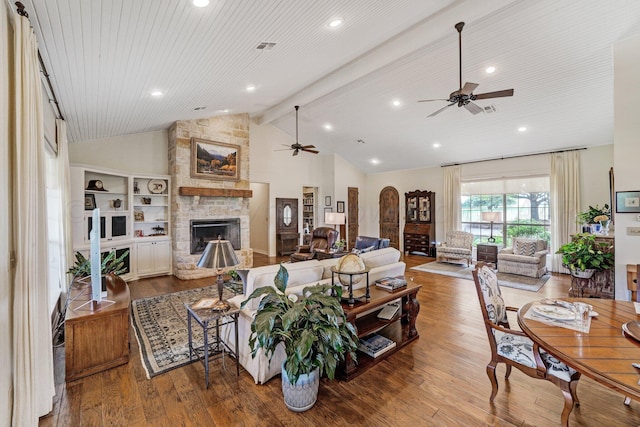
(628, 201)
(215, 160)
(327, 200)
(89, 202)
(340, 206)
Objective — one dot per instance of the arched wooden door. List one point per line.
(352, 216)
(390, 216)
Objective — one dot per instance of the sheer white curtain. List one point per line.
(565, 201)
(33, 384)
(66, 251)
(451, 198)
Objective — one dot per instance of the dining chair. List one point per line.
(515, 349)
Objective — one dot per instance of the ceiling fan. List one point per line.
(464, 95)
(297, 147)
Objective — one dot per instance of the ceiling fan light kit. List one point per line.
(297, 147)
(464, 96)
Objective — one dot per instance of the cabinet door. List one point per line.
(162, 257)
(144, 258)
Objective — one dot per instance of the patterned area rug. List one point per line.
(160, 324)
(504, 279)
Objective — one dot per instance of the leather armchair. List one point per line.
(322, 239)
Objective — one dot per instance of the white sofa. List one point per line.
(382, 263)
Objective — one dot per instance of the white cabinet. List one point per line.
(153, 258)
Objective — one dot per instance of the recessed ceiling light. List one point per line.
(335, 22)
(328, 126)
(224, 110)
(522, 129)
(374, 161)
(157, 93)
(396, 103)
(250, 88)
(200, 3)
(490, 70)
(436, 145)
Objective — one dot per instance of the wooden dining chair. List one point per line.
(515, 349)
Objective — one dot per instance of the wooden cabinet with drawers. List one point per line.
(487, 253)
(419, 228)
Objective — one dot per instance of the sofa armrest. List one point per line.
(305, 249)
(508, 250)
(541, 254)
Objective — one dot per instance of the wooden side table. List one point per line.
(203, 317)
(487, 252)
(320, 255)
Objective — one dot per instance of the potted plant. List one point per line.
(313, 329)
(583, 255)
(109, 264)
(589, 215)
(339, 245)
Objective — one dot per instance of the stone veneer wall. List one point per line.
(232, 129)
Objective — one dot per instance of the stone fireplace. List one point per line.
(208, 201)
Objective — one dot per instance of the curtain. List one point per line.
(565, 202)
(451, 199)
(64, 180)
(33, 383)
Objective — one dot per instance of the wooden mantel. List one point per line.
(214, 192)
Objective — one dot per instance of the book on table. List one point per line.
(389, 311)
(391, 283)
(375, 344)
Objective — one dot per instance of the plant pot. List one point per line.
(586, 274)
(302, 395)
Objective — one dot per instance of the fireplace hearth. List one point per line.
(204, 230)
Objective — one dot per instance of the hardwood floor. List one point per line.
(439, 380)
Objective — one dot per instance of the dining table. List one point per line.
(603, 353)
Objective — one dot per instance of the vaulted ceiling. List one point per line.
(105, 57)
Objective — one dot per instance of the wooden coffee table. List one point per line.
(401, 328)
(329, 255)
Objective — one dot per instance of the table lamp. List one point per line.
(492, 217)
(219, 254)
(334, 218)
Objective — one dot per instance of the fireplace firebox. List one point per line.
(204, 230)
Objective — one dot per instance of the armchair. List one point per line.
(527, 257)
(322, 239)
(457, 247)
(515, 349)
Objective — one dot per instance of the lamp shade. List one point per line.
(334, 218)
(218, 254)
(492, 216)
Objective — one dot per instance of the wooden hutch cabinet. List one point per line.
(420, 223)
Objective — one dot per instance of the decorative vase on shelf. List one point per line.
(605, 226)
(595, 228)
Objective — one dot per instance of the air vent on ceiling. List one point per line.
(489, 109)
(266, 46)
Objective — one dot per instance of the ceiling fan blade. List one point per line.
(497, 94)
(310, 151)
(441, 110)
(295, 152)
(283, 149)
(429, 100)
(473, 108)
(468, 88)
(304, 147)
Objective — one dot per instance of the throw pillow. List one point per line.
(525, 247)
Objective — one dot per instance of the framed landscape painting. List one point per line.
(214, 160)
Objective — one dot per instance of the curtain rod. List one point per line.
(22, 12)
(513, 157)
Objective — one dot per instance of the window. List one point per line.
(498, 210)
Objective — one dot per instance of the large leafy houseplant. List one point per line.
(584, 253)
(110, 263)
(312, 327)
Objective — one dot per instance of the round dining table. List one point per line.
(604, 353)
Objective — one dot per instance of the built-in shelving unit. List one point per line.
(308, 209)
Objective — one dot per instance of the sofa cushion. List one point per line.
(380, 257)
(327, 264)
(525, 247)
(522, 259)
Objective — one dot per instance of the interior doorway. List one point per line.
(352, 216)
(389, 206)
(259, 213)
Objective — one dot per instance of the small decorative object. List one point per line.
(316, 339)
(339, 245)
(157, 186)
(584, 253)
(117, 204)
(350, 263)
(340, 206)
(139, 233)
(89, 202)
(158, 231)
(628, 201)
(145, 200)
(96, 185)
(138, 216)
(327, 200)
(215, 160)
(136, 189)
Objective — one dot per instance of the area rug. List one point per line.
(160, 324)
(504, 279)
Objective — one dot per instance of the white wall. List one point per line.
(142, 153)
(259, 217)
(6, 390)
(626, 152)
(594, 175)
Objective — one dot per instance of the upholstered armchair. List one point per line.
(527, 257)
(322, 239)
(365, 244)
(515, 349)
(458, 247)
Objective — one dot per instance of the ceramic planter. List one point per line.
(302, 395)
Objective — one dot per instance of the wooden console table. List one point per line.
(401, 329)
(96, 338)
(287, 243)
